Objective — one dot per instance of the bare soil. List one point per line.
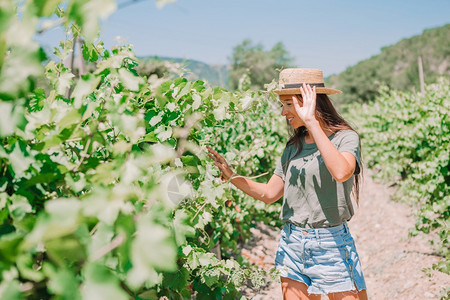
(393, 263)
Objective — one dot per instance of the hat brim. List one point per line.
(319, 90)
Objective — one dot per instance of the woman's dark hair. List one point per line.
(328, 117)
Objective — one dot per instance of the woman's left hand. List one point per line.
(307, 112)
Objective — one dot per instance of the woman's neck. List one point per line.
(309, 139)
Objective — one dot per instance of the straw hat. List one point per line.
(292, 79)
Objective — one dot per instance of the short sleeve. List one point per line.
(279, 170)
(350, 143)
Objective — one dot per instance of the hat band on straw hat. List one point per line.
(299, 85)
(291, 81)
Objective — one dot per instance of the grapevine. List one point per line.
(106, 190)
(406, 141)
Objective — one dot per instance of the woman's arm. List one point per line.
(266, 192)
(340, 164)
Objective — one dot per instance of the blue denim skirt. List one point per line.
(325, 259)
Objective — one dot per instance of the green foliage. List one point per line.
(406, 138)
(215, 75)
(106, 189)
(256, 65)
(396, 67)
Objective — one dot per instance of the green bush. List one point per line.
(405, 139)
(106, 191)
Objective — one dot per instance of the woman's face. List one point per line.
(288, 110)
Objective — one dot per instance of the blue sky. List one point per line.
(331, 35)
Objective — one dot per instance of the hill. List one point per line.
(215, 75)
(396, 66)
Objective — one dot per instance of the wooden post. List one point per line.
(422, 83)
(81, 62)
(216, 250)
(70, 66)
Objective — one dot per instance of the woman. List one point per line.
(319, 168)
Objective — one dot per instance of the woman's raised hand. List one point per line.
(221, 163)
(307, 111)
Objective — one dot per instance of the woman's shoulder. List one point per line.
(288, 148)
(345, 136)
(346, 133)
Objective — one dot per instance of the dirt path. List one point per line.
(392, 263)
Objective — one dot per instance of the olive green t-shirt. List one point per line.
(312, 197)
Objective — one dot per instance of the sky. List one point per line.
(329, 34)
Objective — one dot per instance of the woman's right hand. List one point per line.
(266, 192)
(221, 163)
